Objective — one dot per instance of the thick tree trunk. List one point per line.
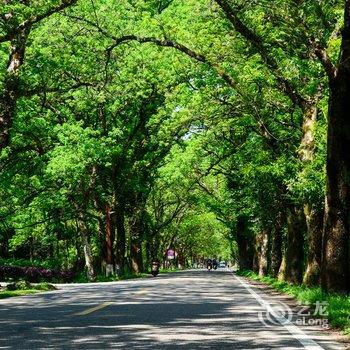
(84, 232)
(102, 245)
(276, 245)
(294, 246)
(245, 245)
(282, 270)
(136, 256)
(11, 87)
(121, 238)
(80, 262)
(307, 144)
(261, 249)
(109, 237)
(313, 212)
(136, 242)
(314, 222)
(5, 242)
(335, 263)
(256, 259)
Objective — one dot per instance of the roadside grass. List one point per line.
(338, 305)
(82, 278)
(15, 293)
(170, 270)
(24, 288)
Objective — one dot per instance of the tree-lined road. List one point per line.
(186, 310)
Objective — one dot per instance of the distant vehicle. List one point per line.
(222, 264)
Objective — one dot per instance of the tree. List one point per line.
(335, 272)
(17, 19)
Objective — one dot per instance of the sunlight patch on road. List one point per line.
(93, 309)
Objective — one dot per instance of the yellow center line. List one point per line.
(102, 306)
(142, 292)
(93, 309)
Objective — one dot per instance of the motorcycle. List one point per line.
(209, 267)
(155, 269)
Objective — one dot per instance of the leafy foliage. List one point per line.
(199, 126)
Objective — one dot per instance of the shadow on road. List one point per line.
(187, 310)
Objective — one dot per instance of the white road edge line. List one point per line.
(295, 331)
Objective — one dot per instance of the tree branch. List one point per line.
(35, 19)
(297, 99)
(180, 47)
(260, 48)
(326, 62)
(43, 89)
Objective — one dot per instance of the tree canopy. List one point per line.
(215, 128)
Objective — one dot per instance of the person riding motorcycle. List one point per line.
(155, 268)
(215, 264)
(209, 264)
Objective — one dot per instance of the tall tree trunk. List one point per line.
(313, 211)
(121, 238)
(335, 263)
(136, 228)
(11, 87)
(136, 255)
(109, 237)
(256, 258)
(307, 144)
(85, 237)
(80, 262)
(314, 221)
(294, 245)
(276, 245)
(102, 244)
(245, 245)
(261, 249)
(84, 232)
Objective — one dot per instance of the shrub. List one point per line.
(34, 274)
(20, 285)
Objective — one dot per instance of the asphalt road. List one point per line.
(186, 310)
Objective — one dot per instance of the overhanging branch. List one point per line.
(35, 19)
(179, 47)
(266, 56)
(43, 89)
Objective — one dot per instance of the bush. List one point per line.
(34, 274)
(26, 286)
(51, 264)
(20, 285)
